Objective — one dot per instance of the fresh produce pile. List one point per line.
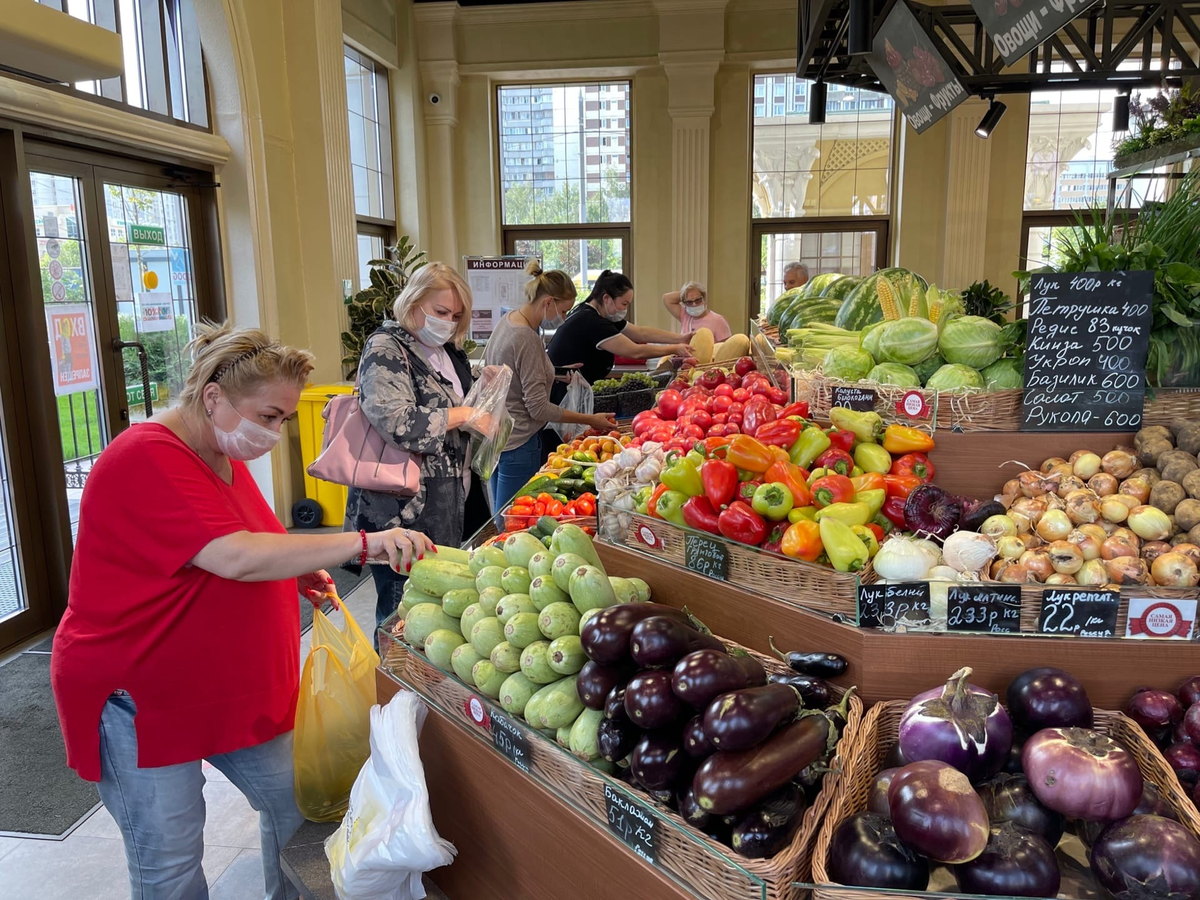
(528, 510)
(630, 381)
(989, 792)
(594, 448)
(1172, 721)
(705, 349)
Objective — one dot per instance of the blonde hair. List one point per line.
(555, 283)
(434, 276)
(692, 285)
(240, 360)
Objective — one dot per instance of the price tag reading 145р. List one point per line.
(1085, 351)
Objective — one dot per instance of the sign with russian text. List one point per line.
(154, 235)
(909, 65)
(1017, 27)
(156, 312)
(497, 286)
(74, 363)
(1157, 618)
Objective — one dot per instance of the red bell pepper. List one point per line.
(900, 485)
(742, 524)
(698, 513)
(774, 542)
(832, 489)
(799, 408)
(917, 464)
(837, 460)
(794, 478)
(720, 481)
(803, 541)
(876, 530)
(893, 509)
(746, 489)
(714, 446)
(778, 432)
(843, 440)
(758, 412)
(652, 503)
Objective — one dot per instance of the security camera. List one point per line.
(435, 99)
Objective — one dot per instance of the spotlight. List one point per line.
(1120, 111)
(816, 103)
(858, 39)
(991, 118)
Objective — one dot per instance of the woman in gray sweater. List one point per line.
(517, 343)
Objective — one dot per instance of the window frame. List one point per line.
(364, 225)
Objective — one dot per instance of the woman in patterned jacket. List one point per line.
(413, 377)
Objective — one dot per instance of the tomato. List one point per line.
(702, 418)
(737, 407)
(741, 395)
(723, 390)
(679, 384)
(722, 402)
(736, 419)
(660, 434)
(692, 431)
(539, 508)
(734, 381)
(720, 419)
(696, 391)
(777, 396)
(762, 389)
(668, 404)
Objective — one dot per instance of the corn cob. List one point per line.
(935, 303)
(887, 299)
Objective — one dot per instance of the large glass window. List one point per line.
(565, 175)
(1070, 149)
(370, 158)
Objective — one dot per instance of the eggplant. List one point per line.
(1147, 857)
(1184, 758)
(741, 719)
(1154, 709)
(605, 636)
(823, 665)
(649, 701)
(689, 809)
(1151, 804)
(732, 781)
(814, 691)
(659, 642)
(895, 758)
(936, 812)
(877, 793)
(695, 743)
(616, 738)
(1047, 698)
(811, 779)
(662, 797)
(701, 676)
(771, 825)
(1009, 798)
(614, 704)
(1015, 863)
(1012, 765)
(658, 760)
(756, 675)
(865, 852)
(976, 512)
(597, 681)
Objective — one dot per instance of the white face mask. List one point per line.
(552, 318)
(618, 316)
(248, 441)
(436, 332)
(697, 311)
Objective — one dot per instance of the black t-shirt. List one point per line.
(577, 340)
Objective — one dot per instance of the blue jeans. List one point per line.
(160, 811)
(515, 468)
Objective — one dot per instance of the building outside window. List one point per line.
(370, 158)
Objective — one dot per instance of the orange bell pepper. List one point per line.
(901, 485)
(903, 439)
(803, 541)
(790, 476)
(871, 481)
(747, 453)
(652, 505)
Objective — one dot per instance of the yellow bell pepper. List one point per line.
(873, 498)
(867, 536)
(845, 549)
(855, 513)
(799, 513)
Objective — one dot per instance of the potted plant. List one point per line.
(368, 309)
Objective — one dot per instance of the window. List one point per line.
(569, 202)
(370, 158)
(164, 68)
(820, 193)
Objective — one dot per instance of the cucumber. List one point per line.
(546, 525)
(436, 577)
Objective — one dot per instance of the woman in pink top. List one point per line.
(689, 305)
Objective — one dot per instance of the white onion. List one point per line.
(902, 559)
(968, 551)
(943, 572)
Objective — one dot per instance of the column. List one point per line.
(968, 182)
(331, 72)
(440, 80)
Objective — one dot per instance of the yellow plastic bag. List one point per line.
(333, 717)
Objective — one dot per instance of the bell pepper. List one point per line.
(681, 475)
(852, 513)
(746, 489)
(847, 552)
(792, 477)
(641, 500)
(670, 506)
(758, 412)
(857, 472)
(867, 536)
(774, 541)
(841, 439)
(802, 540)
(747, 475)
(652, 503)
(881, 525)
(893, 510)
(778, 433)
(874, 499)
(871, 481)
(698, 513)
(836, 459)
(832, 489)
(695, 457)
(917, 464)
(773, 501)
(585, 505)
(799, 409)
(877, 530)
(872, 458)
(816, 475)
(720, 481)
(901, 485)
(866, 426)
(714, 447)
(799, 513)
(748, 453)
(778, 454)
(901, 439)
(739, 522)
(811, 444)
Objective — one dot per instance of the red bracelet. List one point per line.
(362, 561)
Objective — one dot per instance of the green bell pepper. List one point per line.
(696, 458)
(670, 506)
(811, 444)
(641, 500)
(874, 500)
(772, 501)
(846, 551)
(866, 426)
(818, 473)
(854, 513)
(745, 475)
(682, 475)
(872, 458)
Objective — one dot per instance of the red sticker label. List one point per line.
(913, 405)
(1155, 618)
(646, 535)
(476, 711)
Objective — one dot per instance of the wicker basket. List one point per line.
(814, 387)
(1170, 404)
(707, 868)
(878, 734)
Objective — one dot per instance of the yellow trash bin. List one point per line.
(331, 498)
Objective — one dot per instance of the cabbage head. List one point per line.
(847, 364)
(1004, 375)
(894, 373)
(971, 341)
(907, 341)
(925, 369)
(955, 377)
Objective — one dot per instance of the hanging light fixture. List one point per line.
(816, 102)
(858, 37)
(991, 118)
(1120, 110)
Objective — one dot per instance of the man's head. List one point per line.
(795, 274)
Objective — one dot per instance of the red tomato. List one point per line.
(735, 419)
(732, 428)
(702, 419)
(668, 404)
(721, 404)
(734, 381)
(762, 389)
(738, 408)
(679, 384)
(720, 419)
(777, 396)
(723, 390)
(691, 430)
(660, 434)
(646, 425)
(741, 395)
(711, 378)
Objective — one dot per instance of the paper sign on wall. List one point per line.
(74, 363)
(156, 312)
(122, 278)
(497, 284)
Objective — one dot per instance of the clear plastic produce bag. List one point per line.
(332, 738)
(490, 425)
(387, 839)
(579, 399)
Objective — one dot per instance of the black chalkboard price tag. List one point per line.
(1082, 613)
(1085, 352)
(633, 823)
(510, 740)
(706, 556)
(889, 605)
(861, 399)
(994, 608)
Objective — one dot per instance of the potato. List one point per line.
(1179, 425)
(1166, 495)
(1151, 432)
(1177, 470)
(1189, 439)
(1152, 449)
(1187, 514)
(1191, 484)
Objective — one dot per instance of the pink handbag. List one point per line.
(355, 454)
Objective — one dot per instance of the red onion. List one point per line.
(1147, 857)
(931, 512)
(1185, 760)
(1015, 863)
(1082, 773)
(1189, 692)
(1048, 698)
(937, 812)
(959, 724)
(1154, 709)
(1191, 724)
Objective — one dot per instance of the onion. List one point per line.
(1154, 709)
(1034, 485)
(877, 793)
(1189, 693)
(865, 852)
(1114, 509)
(1021, 522)
(1032, 507)
(1119, 463)
(1089, 547)
(1152, 550)
(1048, 464)
(1082, 773)
(1074, 457)
(1175, 570)
(1061, 471)
(1012, 572)
(1065, 557)
(1092, 573)
(1149, 523)
(1032, 541)
(1082, 507)
(1069, 483)
(1147, 857)
(1012, 487)
(997, 527)
(1095, 531)
(1053, 501)
(968, 551)
(1185, 760)
(959, 724)
(937, 812)
(1188, 549)
(1103, 484)
(1127, 570)
(1037, 563)
(1116, 547)
(1086, 465)
(1125, 534)
(1015, 863)
(1191, 724)
(1136, 487)
(1060, 578)
(1009, 798)
(903, 559)
(1054, 525)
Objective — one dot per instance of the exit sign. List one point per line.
(147, 234)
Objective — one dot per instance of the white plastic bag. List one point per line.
(579, 399)
(387, 839)
(490, 425)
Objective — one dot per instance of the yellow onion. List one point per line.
(1149, 475)
(1127, 570)
(1012, 487)
(1069, 483)
(1059, 472)
(1175, 570)
(1152, 550)
(1086, 465)
(996, 527)
(1033, 484)
(1053, 501)
(1061, 578)
(1092, 573)
(1037, 563)
(1020, 521)
(1103, 484)
(1095, 531)
(1188, 549)
(1012, 572)
(1031, 539)
(1054, 525)
(1033, 507)
(1088, 544)
(1010, 546)
(1082, 507)
(1116, 547)
(1125, 534)
(1149, 523)
(1049, 464)
(1137, 488)
(1119, 463)
(1074, 457)
(1066, 557)
(1116, 507)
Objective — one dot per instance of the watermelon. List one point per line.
(841, 288)
(817, 285)
(864, 305)
(819, 310)
(799, 314)
(782, 303)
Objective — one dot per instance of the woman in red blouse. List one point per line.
(181, 638)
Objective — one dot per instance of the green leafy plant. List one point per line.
(981, 299)
(368, 309)
(1161, 119)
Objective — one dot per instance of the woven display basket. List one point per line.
(706, 867)
(878, 733)
(813, 386)
(1169, 404)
